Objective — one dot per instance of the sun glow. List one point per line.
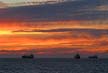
(5, 32)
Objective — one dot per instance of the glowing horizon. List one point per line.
(40, 38)
(58, 30)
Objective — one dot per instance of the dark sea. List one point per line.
(55, 65)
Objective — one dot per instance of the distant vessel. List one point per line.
(31, 56)
(93, 57)
(77, 56)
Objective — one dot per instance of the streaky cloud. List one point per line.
(69, 10)
(76, 32)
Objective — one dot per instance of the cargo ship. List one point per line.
(31, 56)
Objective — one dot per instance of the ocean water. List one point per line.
(53, 66)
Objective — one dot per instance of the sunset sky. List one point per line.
(54, 30)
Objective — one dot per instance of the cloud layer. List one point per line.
(70, 10)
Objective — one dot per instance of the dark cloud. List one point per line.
(50, 30)
(65, 30)
(76, 32)
(72, 10)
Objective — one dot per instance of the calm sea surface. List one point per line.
(53, 66)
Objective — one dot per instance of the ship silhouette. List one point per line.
(31, 56)
(77, 56)
(93, 57)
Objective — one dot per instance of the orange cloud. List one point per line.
(83, 39)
